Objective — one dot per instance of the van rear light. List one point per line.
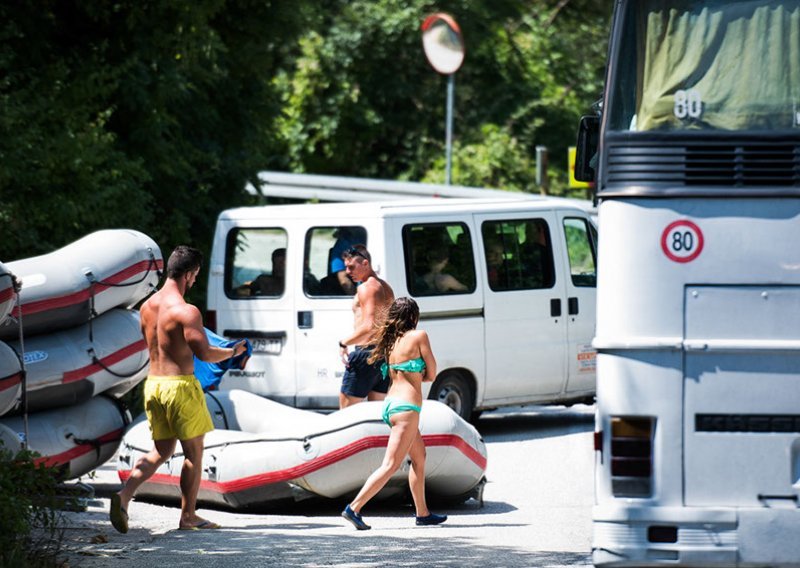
(632, 456)
(211, 320)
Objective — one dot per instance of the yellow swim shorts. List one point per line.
(176, 407)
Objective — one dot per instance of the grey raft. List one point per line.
(264, 454)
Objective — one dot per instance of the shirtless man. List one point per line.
(173, 399)
(372, 300)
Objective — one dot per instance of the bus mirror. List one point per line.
(586, 151)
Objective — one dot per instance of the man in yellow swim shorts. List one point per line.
(174, 401)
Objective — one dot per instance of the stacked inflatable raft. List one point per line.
(66, 322)
(263, 453)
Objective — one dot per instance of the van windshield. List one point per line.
(691, 65)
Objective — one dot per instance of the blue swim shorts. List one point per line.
(360, 378)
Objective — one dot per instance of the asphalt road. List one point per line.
(536, 513)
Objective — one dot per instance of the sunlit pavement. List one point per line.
(537, 512)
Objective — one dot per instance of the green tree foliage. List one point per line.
(153, 115)
(362, 100)
(148, 115)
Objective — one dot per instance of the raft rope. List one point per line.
(305, 440)
(99, 363)
(221, 410)
(94, 442)
(93, 282)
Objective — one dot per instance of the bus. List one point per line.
(695, 152)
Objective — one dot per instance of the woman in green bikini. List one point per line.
(407, 351)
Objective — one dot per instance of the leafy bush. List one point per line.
(30, 521)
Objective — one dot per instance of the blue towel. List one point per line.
(210, 374)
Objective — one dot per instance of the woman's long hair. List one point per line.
(402, 316)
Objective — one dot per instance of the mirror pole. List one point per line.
(449, 129)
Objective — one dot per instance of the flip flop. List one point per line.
(118, 514)
(201, 526)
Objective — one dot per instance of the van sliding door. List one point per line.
(525, 307)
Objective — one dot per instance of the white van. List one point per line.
(511, 324)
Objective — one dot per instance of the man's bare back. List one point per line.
(163, 317)
(173, 330)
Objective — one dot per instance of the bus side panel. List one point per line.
(742, 415)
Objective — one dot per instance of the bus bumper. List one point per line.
(704, 537)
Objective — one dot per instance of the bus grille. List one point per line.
(711, 164)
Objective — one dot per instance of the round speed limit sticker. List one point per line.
(682, 241)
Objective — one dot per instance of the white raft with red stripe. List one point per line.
(107, 355)
(8, 295)
(264, 454)
(9, 440)
(76, 439)
(10, 378)
(64, 288)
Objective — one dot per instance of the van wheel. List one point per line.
(453, 391)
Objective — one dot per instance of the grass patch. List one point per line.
(31, 522)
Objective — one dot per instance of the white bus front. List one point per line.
(698, 321)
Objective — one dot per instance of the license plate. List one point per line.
(267, 346)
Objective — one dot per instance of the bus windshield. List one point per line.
(707, 65)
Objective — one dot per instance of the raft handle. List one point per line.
(95, 443)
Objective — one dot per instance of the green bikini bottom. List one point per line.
(393, 406)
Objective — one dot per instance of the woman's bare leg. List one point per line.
(405, 425)
(416, 476)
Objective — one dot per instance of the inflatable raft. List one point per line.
(264, 453)
(77, 439)
(10, 378)
(9, 440)
(106, 355)
(65, 288)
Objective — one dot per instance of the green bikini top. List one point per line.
(412, 365)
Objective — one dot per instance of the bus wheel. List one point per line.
(453, 391)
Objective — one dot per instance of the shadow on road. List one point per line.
(535, 422)
(259, 546)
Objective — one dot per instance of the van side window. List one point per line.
(323, 267)
(581, 251)
(438, 259)
(519, 254)
(255, 263)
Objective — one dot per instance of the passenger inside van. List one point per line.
(537, 259)
(496, 268)
(271, 284)
(436, 278)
